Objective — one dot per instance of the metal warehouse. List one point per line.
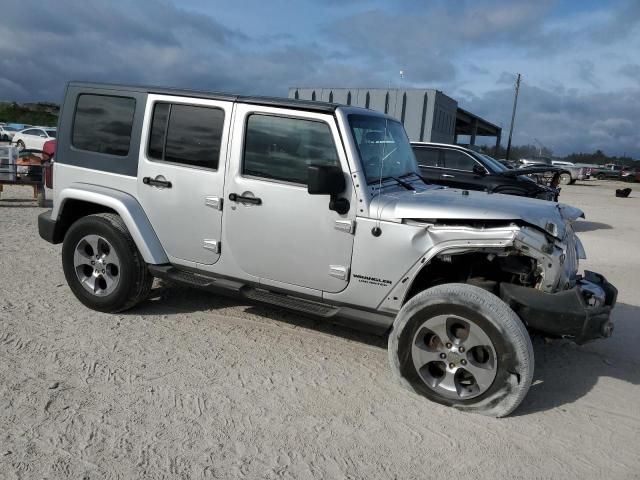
(428, 115)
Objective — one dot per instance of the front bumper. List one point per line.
(581, 313)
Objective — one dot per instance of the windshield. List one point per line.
(492, 164)
(51, 133)
(10, 129)
(383, 147)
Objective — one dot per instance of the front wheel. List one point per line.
(20, 145)
(462, 346)
(102, 264)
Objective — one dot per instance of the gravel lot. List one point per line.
(191, 385)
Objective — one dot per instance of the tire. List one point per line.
(572, 182)
(600, 176)
(129, 280)
(20, 145)
(565, 178)
(511, 361)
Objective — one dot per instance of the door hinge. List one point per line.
(213, 202)
(213, 245)
(339, 271)
(348, 226)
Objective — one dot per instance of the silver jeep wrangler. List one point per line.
(318, 208)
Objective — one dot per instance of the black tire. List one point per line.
(20, 145)
(134, 278)
(572, 182)
(601, 176)
(565, 178)
(514, 352)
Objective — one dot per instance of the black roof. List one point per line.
(253, 100)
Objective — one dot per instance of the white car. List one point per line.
(34, 138)
(7, 133)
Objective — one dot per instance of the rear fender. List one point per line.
(124, 205)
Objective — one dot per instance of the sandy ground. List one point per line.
(190, 385)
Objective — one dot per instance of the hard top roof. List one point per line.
(254, 100)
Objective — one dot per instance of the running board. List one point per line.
(289, 302)
(192, 279)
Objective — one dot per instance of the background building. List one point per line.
(427, 115)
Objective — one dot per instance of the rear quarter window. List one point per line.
(103, 124)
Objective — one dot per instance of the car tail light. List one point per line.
(50, 149)
(48, 175)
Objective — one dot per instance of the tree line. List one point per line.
(532, 151)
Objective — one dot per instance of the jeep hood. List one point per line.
(443, 204)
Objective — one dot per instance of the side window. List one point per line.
(103, 124)
(458, 160)
(427, 157)
(282, 148)
(186, 134)
(31, 131)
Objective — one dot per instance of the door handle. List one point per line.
(234, 197)
(445, 175)
(154, 182)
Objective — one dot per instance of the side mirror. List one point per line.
(328, 180)
(479, 170)
(325, 180)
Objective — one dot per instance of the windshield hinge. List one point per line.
(348, 226)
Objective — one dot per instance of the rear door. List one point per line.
(181, 174)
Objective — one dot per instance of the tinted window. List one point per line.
(282, 148)
(458, 160)
(192, 135)
(427, 157)
(30, 132)
(51, 133)
(103, 124)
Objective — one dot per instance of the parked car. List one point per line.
(33, 138)
(607, 172)
(7, 133)
(630, 174)
(459, 167)
(318, 208)
(568, 172)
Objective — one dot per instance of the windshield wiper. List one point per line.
(404, 184)
(424, 180)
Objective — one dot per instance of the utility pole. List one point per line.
(513, 116)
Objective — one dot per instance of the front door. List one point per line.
(181, 175)
(459, 171)
(275, 229)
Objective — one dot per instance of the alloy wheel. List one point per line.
(97, 265)
(454, 357)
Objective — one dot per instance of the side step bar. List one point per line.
(289, 302)
(197, 280)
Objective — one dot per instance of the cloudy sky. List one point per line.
(580, 59)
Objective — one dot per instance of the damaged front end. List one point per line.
(535, 272)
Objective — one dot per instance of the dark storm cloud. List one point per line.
(567, 121)
(438, 44)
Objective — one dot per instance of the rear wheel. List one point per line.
(461, 346)
(102, 264)
(565, 178)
